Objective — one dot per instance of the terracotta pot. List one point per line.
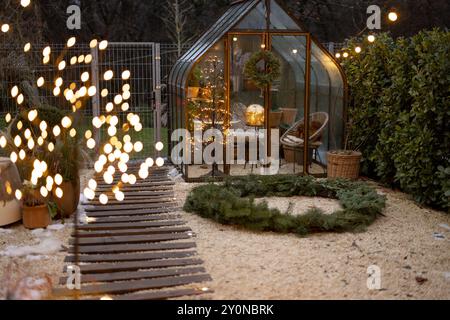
(275, 119)
(36, 217)
(68, 204)
(289, 116)
(343, 165)
(193, 92)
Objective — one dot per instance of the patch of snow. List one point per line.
(45, 246)
(56, 227)
(445, 226)
(173, 172)
(31, 257)
(177, 178)
(447, 276)
(83, 218)
(5, 231)
(37, 232)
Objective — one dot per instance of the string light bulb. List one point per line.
(5, 28)
(25, 3)
(159, 146)
(393, 16)
(103, 199)
(71, 42)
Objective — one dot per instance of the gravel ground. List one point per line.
(410, 245)
(46, 264)
(248, 265)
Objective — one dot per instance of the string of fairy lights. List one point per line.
(371, 38)
(113, 154)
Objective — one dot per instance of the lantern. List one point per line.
(254, 116)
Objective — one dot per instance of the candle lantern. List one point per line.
(254, 115)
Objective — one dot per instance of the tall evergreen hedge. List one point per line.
(400, 106)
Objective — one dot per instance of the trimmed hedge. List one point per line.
(400, 107)
(233, 204)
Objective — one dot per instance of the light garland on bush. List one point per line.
(392, 17)
(114, 154)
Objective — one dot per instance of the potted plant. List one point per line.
(345, 163)
(289, 116)
(36, 211)
(275, 118)
(67, 160)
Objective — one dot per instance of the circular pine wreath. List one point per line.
(232, 203)
(266, 76)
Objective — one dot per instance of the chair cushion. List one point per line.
(293, 139)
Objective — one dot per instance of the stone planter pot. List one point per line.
(36, 217)
(289, 116)
(344, 165)
(68, 204)
(10, 208)
(9, 212)
(275, 119)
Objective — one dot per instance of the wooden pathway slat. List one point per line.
(124, 218)
(130, 206)
(140, 247)
(135, 196)
(131, 239)
(130, 232)
(134, 275)
(139, 185)
(131, 256)
(143, 202)
(130, 225)
(137, 213)
(139, 265)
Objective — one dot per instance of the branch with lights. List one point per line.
(35, 135)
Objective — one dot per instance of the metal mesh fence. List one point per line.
(17, 68)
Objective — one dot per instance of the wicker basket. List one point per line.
(344, 165)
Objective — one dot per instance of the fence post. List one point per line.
(96, 97)
(331, 47)
(156, 56)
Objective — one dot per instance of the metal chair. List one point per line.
(292, 140)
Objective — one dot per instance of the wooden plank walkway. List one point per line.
(138, 249)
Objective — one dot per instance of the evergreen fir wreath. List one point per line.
(262, 77)
(232, 203)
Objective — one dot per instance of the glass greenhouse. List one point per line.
(210, 88)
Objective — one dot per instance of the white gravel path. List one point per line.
(250, 265)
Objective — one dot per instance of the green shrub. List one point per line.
(400, 106)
